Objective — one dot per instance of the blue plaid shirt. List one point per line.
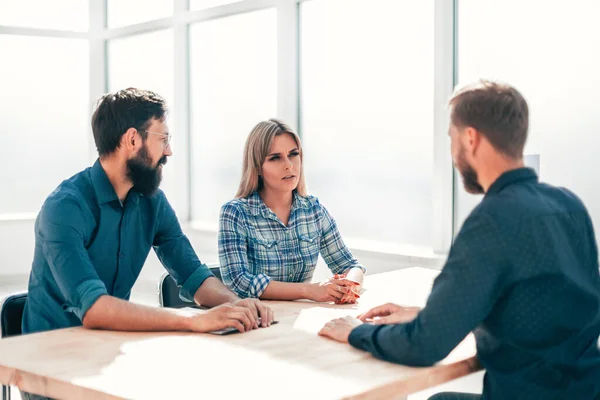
(255, 247)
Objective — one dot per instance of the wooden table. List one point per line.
(287, 360)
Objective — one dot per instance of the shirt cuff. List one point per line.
(87, 292)
(364, 270)
(193, 283)
(362, 334)
(258, 285)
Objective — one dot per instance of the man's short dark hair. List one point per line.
(498, 111)
(117, 112)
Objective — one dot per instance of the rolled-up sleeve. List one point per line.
(61, 229)
(233, 255)
(333, 249)
(177, 255)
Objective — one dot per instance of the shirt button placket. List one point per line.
(289, 240)
(121, 259)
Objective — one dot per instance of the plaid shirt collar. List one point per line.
(257, 207)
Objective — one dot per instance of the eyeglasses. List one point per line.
(166, 138)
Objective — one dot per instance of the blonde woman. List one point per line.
(271, 234)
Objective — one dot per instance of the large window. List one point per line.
(356, 77)
(44, 117)
(367, 115)
(68, 15)
(127, 12)
(146, 62)
(233, 87)
(555, 66)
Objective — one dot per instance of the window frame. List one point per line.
(288, 93)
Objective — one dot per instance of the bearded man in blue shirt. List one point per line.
(95, 230)
(522, 273)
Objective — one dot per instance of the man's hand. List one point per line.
(333, 289)
(339, 329)
(221, 317)
(258, 310)
(390, 314)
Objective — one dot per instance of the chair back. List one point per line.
(11, 314)
(168, 291)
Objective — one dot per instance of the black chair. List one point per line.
(11, 315)
(168, 291)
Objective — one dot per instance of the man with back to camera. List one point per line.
(95, 231)
(522, 273)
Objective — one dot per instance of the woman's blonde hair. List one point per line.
(256, 150)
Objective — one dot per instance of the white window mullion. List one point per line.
(25, 31)
(444, 53)
(287, 62)
(98, 62)
(181, 117)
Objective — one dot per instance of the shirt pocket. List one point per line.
(263, 256)
(309, 248)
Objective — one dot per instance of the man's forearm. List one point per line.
(213, 292)
(111, 313)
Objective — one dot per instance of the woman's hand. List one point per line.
(332, 290)
(355, 275)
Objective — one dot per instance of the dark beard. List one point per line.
(145, 177)
(469, 176)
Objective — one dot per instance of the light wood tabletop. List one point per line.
(286, 360)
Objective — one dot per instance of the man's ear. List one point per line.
(130, 139)
(472, 139)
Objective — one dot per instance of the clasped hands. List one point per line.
(337, 289)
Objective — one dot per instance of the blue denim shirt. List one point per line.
(255, 247)
(523, 275)
(88, 244)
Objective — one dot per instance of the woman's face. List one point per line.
(281, 168)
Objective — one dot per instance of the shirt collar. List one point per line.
(511, 177)
(105, 192)
(257, 206)
(299, 202)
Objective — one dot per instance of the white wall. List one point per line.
(16, 249)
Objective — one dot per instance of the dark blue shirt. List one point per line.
(88, 244)
(523, 275)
